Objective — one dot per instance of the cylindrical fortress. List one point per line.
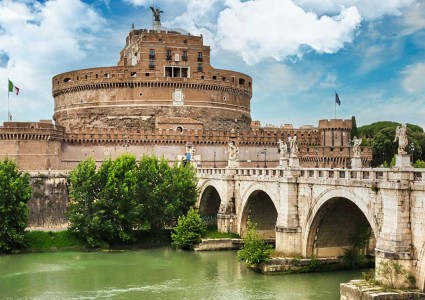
(162, 79)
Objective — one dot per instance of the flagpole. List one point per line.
(335, 106)
(8, 92)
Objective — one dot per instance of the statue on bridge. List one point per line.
(233, 152)
(156, 14)
(401, 136)
(293, 146)
(283, 149)
(356, 146)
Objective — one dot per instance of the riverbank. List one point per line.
(360, 289)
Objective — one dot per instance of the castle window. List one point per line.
(241, 81)
(179, 129)
(200, 56)
(185, 41)
(151, 64)
(202, 77)
(78, 77)
(141, 94)
(86, 76)
(133, 74)
(168, 55)
(177, 72)
(200, 68)
(224, 78)
(151, 54)
(214, 77)
(67, 79)
(147, 74)
(105, 75)
(184, 55)
(224, 98)
(97, 76)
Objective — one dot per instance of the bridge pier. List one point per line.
(227, 223)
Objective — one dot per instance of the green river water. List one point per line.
(161, 273)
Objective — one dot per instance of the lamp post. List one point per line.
(412, 150)
(265, 158)
(383, 158)
(349, 155)
(214, 159)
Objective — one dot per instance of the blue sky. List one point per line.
(298, 52)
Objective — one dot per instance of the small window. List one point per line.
(179, 129)
(224, 98)
(184, 55)
(200, 56)
(168, 55)
(86, 76)
(151, 64)
(200, 68)
(241, 81)
(224, 78)
(67, 79)
(105, 75)
(214, 77)
(151, 54)
(147, 74)
(202, 77)
(141, 94)
(97, 76)
(133, 74)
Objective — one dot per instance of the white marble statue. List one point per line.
(233, 152)
(356, 146)
(283, 149)
(401, 136)
(293, 146)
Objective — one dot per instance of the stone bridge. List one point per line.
(318, 211)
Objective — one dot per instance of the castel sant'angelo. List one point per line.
(161, 98)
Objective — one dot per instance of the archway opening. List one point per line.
(340, 224)
(209, 206)
(260, 210)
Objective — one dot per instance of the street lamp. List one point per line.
(412, 150)
(349, 155)
(265, 158)
(214, 158)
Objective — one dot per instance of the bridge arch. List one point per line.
(335, 216)
(260, 208)
(209, 202)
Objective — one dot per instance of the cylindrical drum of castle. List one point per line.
(163, 80)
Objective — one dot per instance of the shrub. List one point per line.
(188, 231)
(255, 250)
(15, 192)
(392, 274)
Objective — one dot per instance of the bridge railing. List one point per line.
(369, 174)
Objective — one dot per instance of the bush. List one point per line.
(15, 192)
(188, 231)
(255, 250)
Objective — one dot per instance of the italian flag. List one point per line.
(13, 87)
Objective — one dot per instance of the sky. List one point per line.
(298, 52)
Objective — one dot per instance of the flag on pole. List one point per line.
(337, 101)
(13, 88)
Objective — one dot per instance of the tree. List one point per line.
(189, 230)
(110, 204)
(255, 250)
(354, 131)
(15, 192)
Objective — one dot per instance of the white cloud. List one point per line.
(414, 75)
(41, 40)
(139, 2)
(369, 9)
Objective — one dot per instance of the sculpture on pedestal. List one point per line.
(293, 146)
(233, 152)
(401, 136)
(283, 149)
(156, 14)
(356, 146)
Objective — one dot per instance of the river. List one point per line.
(161, 273)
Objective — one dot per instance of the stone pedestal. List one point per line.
(356, 163)
(233, 164)
(294, 162)
(157, 26)
(226, 223)
(283, 162)
(402, 161)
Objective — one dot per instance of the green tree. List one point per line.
(15, 192)
(255, 250)
(189, 230)
(110, 204)
(168, 192)
(354, 131)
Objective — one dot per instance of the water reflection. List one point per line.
(154, 274)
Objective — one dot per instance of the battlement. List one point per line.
(335, 124)
(43, 130)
